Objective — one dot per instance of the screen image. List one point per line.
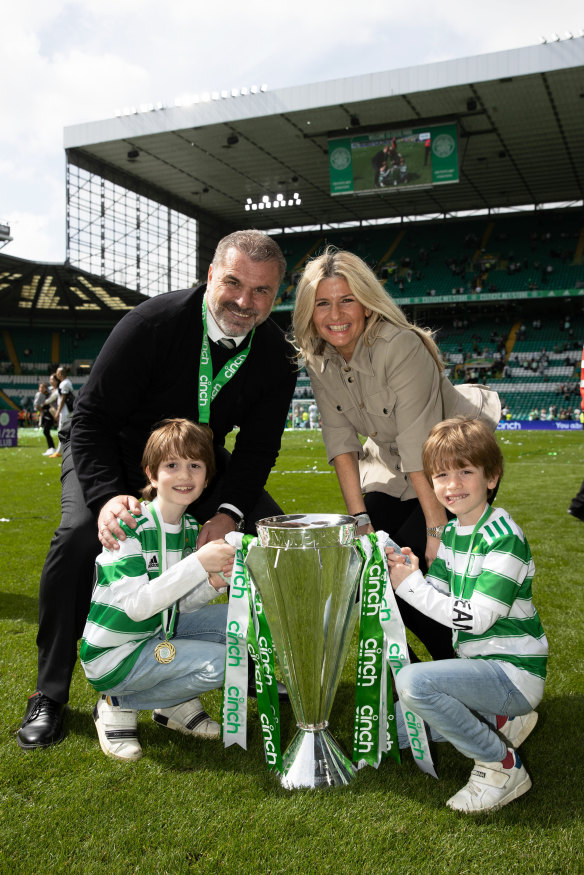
(394, 159)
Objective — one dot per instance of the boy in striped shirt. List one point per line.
(151, 639)
(480, 586)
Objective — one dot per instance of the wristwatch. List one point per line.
(435, 531)
(237, 518)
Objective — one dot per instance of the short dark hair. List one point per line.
(257, 245)
(182, 439)
(458, 440)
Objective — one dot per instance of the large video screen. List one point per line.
(415, 157)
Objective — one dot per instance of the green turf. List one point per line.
(190, 806)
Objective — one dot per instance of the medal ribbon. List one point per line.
(168, 625)
(209, 388)
(248, 632)
(398, 657)
(374, 733)
(458, 589)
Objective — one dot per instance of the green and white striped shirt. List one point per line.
(479, 585)
(132, 593)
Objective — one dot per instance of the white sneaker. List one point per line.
(491, 786)
(49, 452)
(117, 730)
(190, 718)
(516, 729)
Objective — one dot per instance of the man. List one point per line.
(377, 162)
(166, 358)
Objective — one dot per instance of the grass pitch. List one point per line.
(191, 806)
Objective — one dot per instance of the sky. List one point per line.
(64, 63)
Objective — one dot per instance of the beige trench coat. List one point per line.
(391, 393)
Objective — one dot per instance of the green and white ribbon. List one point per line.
(374, 732)
(234, 708)
(209, 387)
(397, 657)
(248, 632)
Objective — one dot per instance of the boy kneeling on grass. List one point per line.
(151, 640)
(480, 586)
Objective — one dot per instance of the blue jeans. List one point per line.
(459, 700)
(198, 666)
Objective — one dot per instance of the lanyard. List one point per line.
(209, 388)
(480, 523)
(168, 624)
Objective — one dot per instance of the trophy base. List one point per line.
(314, 759)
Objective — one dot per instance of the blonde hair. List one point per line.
(367, 290)
(459, 441)
(180, 439)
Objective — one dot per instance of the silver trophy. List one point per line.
(307, 570)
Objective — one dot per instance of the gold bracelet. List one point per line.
(435, 531)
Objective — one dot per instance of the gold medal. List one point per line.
(165, 652)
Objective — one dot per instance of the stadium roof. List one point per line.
(59, 294)
(520, 115)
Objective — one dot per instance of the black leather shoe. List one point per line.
(42, 724)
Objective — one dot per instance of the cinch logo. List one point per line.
(235, 646)
(367, 662)
(238, 582)
(232, 368)
(257, 672)
(396, 658)
(414, 728)
(205, 354)
(364, 718)
(269, 746)
(265, 652)
(374, 590)
(385, 612)
(203, 388)
(233, 702)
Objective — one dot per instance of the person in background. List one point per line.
(65, 403)
(45, 421)
(576, 508)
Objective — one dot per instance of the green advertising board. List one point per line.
(412, 157)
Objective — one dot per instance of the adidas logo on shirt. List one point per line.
(153, 563)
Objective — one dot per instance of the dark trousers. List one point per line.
(405, 523)
(577, 503)
(67, 577)
(46, 425)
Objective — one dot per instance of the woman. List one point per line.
(375, 374)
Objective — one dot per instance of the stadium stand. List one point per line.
(494, 262)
